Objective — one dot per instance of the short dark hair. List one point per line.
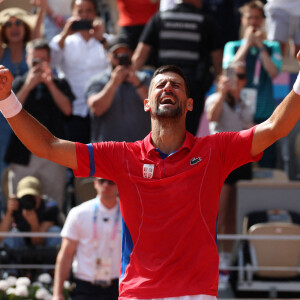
(38, 44)
(172, 69)
(255, 4)
(27, 35)
(92, 1)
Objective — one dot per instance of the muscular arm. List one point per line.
(278, 125)
(41, 142)
(63, 266)
(37, 138)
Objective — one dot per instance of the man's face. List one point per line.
(84, 10)
(253, 17)
(106, 188)
(37, 55)
(167, 96)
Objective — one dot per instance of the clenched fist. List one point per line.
(6, 79)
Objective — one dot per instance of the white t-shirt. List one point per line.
(79, 227)
(78, 61)
(291, 6)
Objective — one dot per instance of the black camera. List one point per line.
(82, 25)
(36, 61)
(124, 59)
(27, 202)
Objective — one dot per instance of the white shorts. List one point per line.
(281, 26)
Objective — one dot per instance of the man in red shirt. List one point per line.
(169, 184)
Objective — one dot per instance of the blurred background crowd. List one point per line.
(83, 68)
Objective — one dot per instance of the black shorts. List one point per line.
(243, 172)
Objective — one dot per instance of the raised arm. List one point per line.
(281, 122)
(37, 138)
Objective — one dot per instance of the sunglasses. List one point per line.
(17, 23)
(102, 181)
(241, 75)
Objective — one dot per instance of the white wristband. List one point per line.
(10, 106)
(296, 86)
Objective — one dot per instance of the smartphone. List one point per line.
(82, 25)
(124, 59)
(230, 73)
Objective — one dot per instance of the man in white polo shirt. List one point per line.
(91, 240)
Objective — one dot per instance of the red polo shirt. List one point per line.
(169, 208)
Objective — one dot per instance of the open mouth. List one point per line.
(167, 99)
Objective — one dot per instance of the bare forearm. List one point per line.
(99, 103)
(62, 271)
(6, 224)
(268, 64)
(241, 53)
(140, 55)
(39, 140)
(279, 125)
(60, 99)
(217, 57)
(39, 21)
(215, 110)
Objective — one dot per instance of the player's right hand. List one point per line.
(6, 80)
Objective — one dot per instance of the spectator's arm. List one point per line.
(141, 87)
(60, 99)
(140, 55)
(37, 32)
(6, 223)
(267, 63)
(216, 58)
(101, 101)
(63, 266)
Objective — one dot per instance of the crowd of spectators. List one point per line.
(88, 85)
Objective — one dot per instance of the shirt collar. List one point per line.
(188, 143)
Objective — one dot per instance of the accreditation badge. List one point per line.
(103, 271)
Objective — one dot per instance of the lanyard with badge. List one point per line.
(103, 265)
(249, 95)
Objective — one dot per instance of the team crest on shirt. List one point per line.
(148, 171)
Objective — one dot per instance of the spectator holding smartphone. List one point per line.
(79, 53)
(115, 97)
